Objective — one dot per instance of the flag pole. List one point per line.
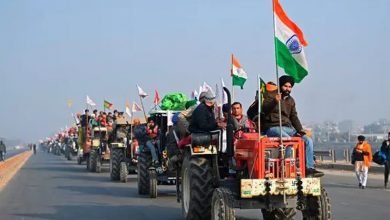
(282, 148)
(259, 99)
(231, 75)
(131, 127)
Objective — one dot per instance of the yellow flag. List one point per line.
(70, 103)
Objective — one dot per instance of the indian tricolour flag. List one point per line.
(238, 74)
(289, 43)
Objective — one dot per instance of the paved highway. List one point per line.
(49, 187)
(13, 152)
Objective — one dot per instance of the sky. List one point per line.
(52, 51)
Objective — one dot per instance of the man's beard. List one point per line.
(285, 93)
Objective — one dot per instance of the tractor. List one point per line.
(148, 175)
(100, 151)
(71, 144)
(123, 159)
(265, 177)
(84, 143)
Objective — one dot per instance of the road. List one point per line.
(49, 187)
(13, 152)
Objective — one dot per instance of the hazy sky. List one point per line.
(52, 51)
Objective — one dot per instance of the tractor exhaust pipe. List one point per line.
(229, 126)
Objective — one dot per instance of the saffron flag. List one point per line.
(141, 92)
(289, 43)
(136, 107)
(90, 102)
(239, 76)
(156, 98)
(107, 104)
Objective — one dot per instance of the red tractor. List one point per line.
(265, 177)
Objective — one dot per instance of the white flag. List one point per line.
(128, 112)
(136, 107)
(90, 102)
(206, 87)
(141, 92)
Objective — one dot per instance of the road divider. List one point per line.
(10, 167)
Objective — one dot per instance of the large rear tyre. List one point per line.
(279, 214)
(115, 161)
(123, 172)
(318, 207)
(197, 188)
(93, 160)
(152, 183)
(144, 162)
(222, 205)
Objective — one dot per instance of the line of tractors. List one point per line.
(263, 178)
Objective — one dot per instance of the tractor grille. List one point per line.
(273, 168)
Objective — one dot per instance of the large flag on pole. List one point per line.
(289, 43)
(156, 100)
(90, 102)
(141, 92)
(239, 76)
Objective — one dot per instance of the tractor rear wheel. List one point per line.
(318, 207)
(123, 172)
(279, 214)
(144, 162)
(93, 160)
(196, 187)
(153, 183)
(222, 205)
(115, 161)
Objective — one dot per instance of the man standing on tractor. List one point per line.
(291, 125)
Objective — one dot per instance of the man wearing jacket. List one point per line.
(203, 118)
(362, 156)
(291, 125)
(385, 148)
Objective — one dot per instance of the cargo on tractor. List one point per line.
(100, 152)
(149, 175)
(84, 143)
(123, 159)
(71, 144)
(265, 177)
